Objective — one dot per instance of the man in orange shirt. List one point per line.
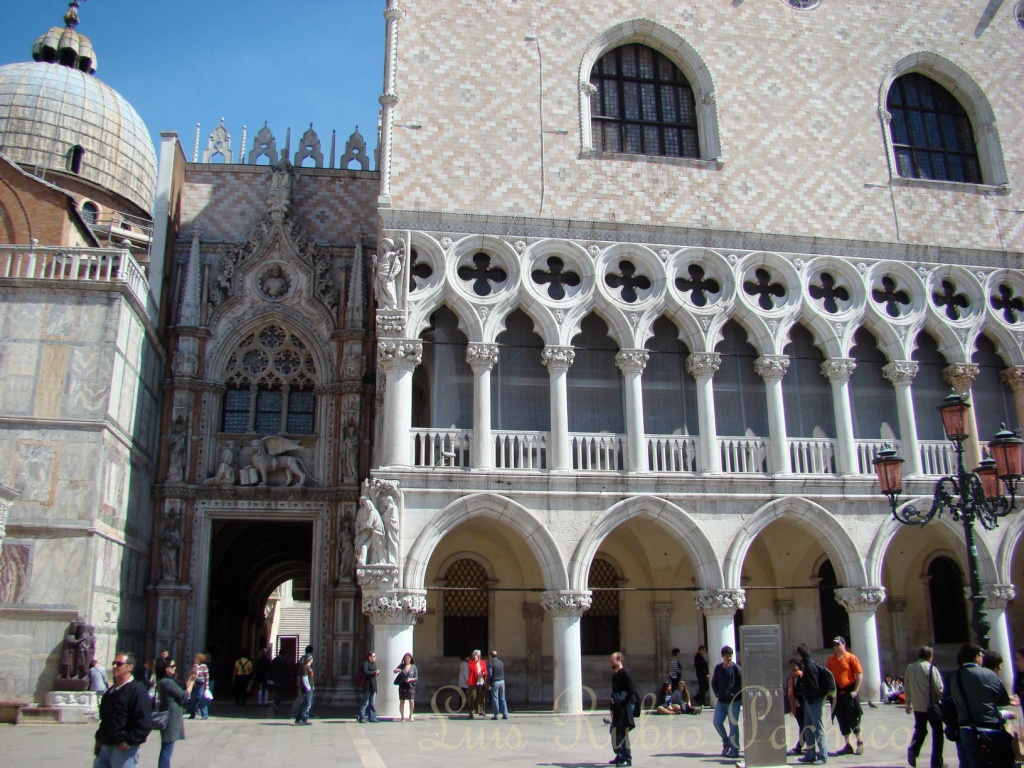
(846, 669)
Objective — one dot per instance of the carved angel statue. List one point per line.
(369, 534)
(267, 458)
(387, 266)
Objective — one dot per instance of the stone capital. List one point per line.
(860, 599)
(558, 358)
(401, 608)
(997, 596)
(771, 366)
(701, 364)
(399, 353)
(960, 376)
(719, 602)
(481, 356)
(784, 607)
(566, 603)
(838, 369)
(896, 604)
(660, 610)
(377, 578)
(900, 371)
(632, 360)
(1013, 378)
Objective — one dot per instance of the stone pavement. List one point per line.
(248, 738)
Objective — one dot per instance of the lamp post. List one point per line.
(983, 496)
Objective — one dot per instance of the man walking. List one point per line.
(727, 684)
(368, 710)
(703, 670)
(623, 700)
(125, 718)
(922, 687)
(814, 693)
(846, 669)
(305, 686)
(240, 678)
(496, 674)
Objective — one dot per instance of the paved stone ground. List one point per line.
(247, 738)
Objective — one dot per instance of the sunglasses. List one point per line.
(121, 664)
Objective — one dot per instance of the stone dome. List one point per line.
(55, 116)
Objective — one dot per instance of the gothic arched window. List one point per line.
(465, 608)
(643, 105)
(599, 627)
(932, 137)
(270, 384)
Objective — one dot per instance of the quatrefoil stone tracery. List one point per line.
(271, 356)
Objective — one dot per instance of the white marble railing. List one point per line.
(812, 455)
(441, 448)
(938, 457)
(602, 451)
(520, 450)
(867, 452)
(95, 265)
(746, 455)
(672, 453)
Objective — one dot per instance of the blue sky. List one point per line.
(186, 61)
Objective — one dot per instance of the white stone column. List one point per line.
(772, 368)
(996, 598)
(1013, 378)
(388, 100)
(961, 376)
(632, 363)
(558, 360)
(394, 614)
(901, 373)
(861, 603)
(566, 608)
(719, 607)
(838, 371)
(897, 607)
(702, 366)
(482, 358)
(398, 358)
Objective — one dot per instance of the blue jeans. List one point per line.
(199, 703)
(730, 712)
(307, 704)
(166, 750)
(815, 743)
(367, 710)
(112, 757)
(498, 704)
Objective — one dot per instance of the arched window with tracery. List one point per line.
(465, 608)
(270, 381)
(599, 627)
(642, 104)
(932, 136)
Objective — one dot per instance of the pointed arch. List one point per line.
(495, 507)
(674, 518)
(831, 533)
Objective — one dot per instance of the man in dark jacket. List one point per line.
(814, 706)
(125, 718)
(978, 694)
(700, 666)
(368, 709)
(496, 674)
(624, 697)
(727, 683)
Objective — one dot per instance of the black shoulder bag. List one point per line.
(994, 745)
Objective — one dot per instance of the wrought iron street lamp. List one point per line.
(983, 496)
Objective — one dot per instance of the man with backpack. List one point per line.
(240, 679)
(815, 686)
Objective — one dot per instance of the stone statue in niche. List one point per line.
(274, 283)
(387, 266)
(75, 657)
(346, 548)
(369, 534)
(170, 543)
(176, 460)
(389, 516)
(350, 455)
(227, 468)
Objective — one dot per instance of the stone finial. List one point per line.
(355, 150)
(264, 145)
(218, 143)
(309, 146)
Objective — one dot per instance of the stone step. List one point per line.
(38, 716)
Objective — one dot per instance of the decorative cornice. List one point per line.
(900, 371)
(838, 369)
(720, 602)
(771, 366)
(556, 358)
(860, 599)
(481, 356)
(632, 360)
(998, 595)
(703, 364)
(565, 603)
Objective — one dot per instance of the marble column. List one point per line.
(558, 360)
(996, 598)
(719, 607)
(1013, 378)
(534, 615)
(632, 363)
(772, 368)
(861, 603)
(662, 636)
(838, 371)
(482, 358)
(897, 611)
(393, 614)
(901, 373)
(784, 610)
(702, 366)
(961, 376)
(398, 358)
(566, 609)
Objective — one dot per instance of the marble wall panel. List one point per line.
(89, 372)
(60, 573)
(37, 467)
(15, 571)
(62, 318)
(29, 655)
(20, 316)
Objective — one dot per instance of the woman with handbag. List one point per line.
(199, 680)
(405, 678)
(170, 698)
